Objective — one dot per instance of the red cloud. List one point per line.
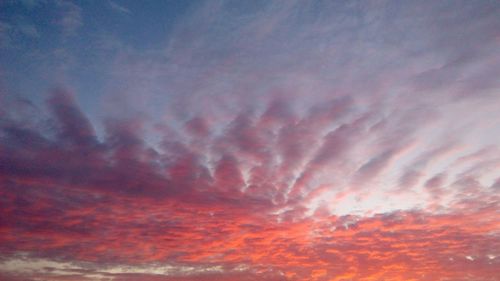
(67, 196)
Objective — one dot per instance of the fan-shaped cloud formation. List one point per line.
(261, 141)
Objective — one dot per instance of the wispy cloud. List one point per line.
(70, 17)
(119, 8)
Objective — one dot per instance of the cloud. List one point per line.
(70, 18)
(75, 127)
(116, 201)
(119, 8)
(264, 142)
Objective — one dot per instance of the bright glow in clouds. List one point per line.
(249, 140)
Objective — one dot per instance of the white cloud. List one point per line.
(119, 8)
(70, 19)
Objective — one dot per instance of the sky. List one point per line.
(249, 140)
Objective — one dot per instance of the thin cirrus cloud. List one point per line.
(257, 141)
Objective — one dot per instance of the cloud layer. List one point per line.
(263, 141)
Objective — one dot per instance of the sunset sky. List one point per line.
(249, 140)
